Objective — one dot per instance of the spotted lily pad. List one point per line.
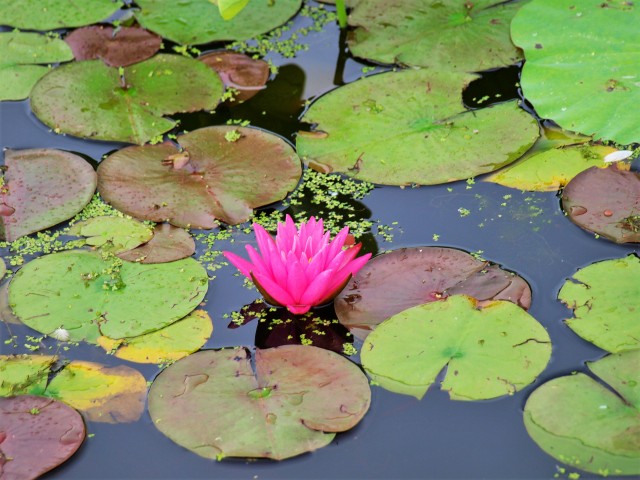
(488, 351)
(113, 234)
(583, 82)
(213, 403)
(410, 127)
(115, 47)
(605, 201)
(244, 74)
(36, 435)
(168, 244)
(168, 344)
(194, 22)
(447, 34)
(220, 173)
(395, 281)
(42, 187)
(89, 99)
(53, 14)
(605, 299)
(23, 60)
(586, 424)
(88, 296)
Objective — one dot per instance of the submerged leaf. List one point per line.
(64, 183)
(488, 351)
(213, 404)
(24, 374)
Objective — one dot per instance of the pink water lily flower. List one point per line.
(302, 267)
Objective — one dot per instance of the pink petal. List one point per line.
(296, 279)
(273, 289)
(265, 243)
(338, 242)
(317, 289)
(240, 263)
(298, 309)
(259, 264)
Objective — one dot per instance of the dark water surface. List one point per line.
(400, 437)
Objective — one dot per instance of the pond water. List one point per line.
(400, 437)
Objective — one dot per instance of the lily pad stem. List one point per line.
(341, 10)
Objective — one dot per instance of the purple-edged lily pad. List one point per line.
(36, 435)
(605, 201)
(400, 279)
(239, 71)
(42, 187)
(220, 173)
(168, 244)
(117, 48)
(213, 403)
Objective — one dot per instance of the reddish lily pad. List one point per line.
(605, 201)
(213, 404)
(88, 99)
(36, 435)
(220, 173)
(168, 244)
(115, 47)
(53, 14)
(241, 72)
(587, 424)
(400, 279)
(42, 187)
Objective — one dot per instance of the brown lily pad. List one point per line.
(168, 244)
(239, 71)
(404, 278)
(115, 47)
(42, 187)
(36, 435)
(213, 403)
(220, 173)
(605, 201)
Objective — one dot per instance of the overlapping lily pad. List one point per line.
(194, 22)
(488, 351)
(168, 244)
(587, 425)
(410, 127)
(116, 48)
(214, 404)
(113, 234)
(605, 201)
(245, 74)
(23, 60)
(584, 82)
(53, 14)
(220, 173)
(42, 187)
(605, 299)
(447, 34)
(89, 296)
(404, 278)
(168, 344)
(89, 99)
(25, 374)
(36, 435)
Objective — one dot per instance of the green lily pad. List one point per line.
(64, 183)
(115, 47)
(213, 403)
(410, 127)
(113, 234)
(32, 424)
(23, 57)
(53, 14)
(447, 34)
(193, 22)
(168, 344)
(605, 299)
(24, 374)
(583, 82)
(550, 170)
(605, 201)
(488, 351)
(581, 422)
(88, 296)
(3, 269)
(168, 244)
(88, 99)
(404, 278)
(219, 173)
